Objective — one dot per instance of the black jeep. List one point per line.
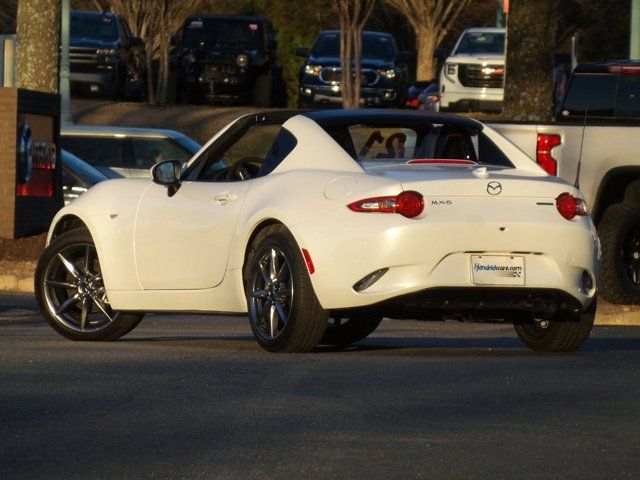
(383, 72)
(228, 57)
(105, 57)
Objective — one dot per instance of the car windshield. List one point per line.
(222, 32)
(95, 26)
(481, 42)
(373, 46)
(417, 143)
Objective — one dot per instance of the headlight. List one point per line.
(388, 74)
(312, 70)
(242, 60)
(106, 52)
(451, 70)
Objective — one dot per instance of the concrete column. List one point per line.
(634, 33)
(65, 89)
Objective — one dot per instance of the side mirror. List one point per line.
(302, 52)
(136, 42)
(167, 173)
(174, 41)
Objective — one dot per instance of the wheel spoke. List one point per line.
(273, 264)
(87, 259)
(284, 269)
(273, 321)
(71, 268)
(56, 283)
(66, 304)
(86, 309)
(259, 294)
(265, 274)
(280, 309)
(103, 308)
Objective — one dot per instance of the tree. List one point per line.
(38, 45)
(533, 26)
(430, 20)
(352, 14)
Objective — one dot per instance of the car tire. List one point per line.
(564, 334)
(70, 292)
(262, 90)
(284, 312)
(619, 232)
(343, 331)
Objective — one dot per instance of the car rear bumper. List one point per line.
(420, 256)
(457, 97)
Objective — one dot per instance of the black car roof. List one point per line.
(603, 67)
(350, 117)
(248, 18)
(369, 32)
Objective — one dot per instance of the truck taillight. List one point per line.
(544, 158)
(569, 206)
(409, 204)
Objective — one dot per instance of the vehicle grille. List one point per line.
(478, 76)
(83, 60)
(224, 73)
(333, 76)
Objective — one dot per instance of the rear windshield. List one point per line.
(373, 145)
(373, 46)
(94, 26)
(222, 32)
(603, 95)
(480, 42)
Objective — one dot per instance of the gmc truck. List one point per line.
(472, 77)
(594, 144)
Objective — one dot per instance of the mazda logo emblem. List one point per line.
(494, 188)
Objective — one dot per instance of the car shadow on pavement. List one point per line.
(400, 346)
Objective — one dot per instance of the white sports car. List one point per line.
(319, 224)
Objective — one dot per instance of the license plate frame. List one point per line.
(501, 270)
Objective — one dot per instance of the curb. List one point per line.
(18, 277)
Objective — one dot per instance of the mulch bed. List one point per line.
(22, 249)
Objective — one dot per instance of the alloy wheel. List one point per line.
(271, 293)
(74, 290)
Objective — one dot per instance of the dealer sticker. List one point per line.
(497, 270)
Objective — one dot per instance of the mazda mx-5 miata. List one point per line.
(319, 224)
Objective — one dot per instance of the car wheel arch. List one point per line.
(66, 224)
(255, 231)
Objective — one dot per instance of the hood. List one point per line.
(476, 59)
(373, 63)
(87, 42)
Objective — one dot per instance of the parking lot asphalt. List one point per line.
(193, 396)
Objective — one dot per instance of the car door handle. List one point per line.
(225, 198)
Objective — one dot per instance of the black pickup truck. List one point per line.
(105, 58)
(383, 74)
(221, 57)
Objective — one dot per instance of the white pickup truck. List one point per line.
(595, 144)
(472, 77)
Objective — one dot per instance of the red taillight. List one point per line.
(410, 204)
(570, 206)
(624, 69)
(412, 103)
(543, 152)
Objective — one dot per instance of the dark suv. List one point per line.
(383, 71)
(105, 58)
(223, 56)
